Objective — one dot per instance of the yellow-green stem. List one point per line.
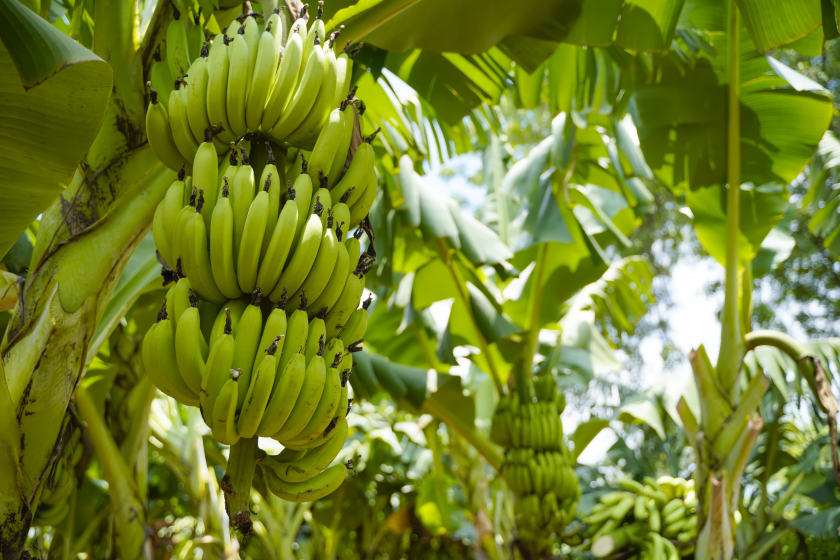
(731, 344)
(465, 300)
(129, 511)
(482, 445)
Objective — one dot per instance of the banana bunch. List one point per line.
(538, 466)
(232, 233)
(658, 519)
(256, 77)
(254, 371)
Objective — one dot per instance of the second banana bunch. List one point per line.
(538, 465)
(656, 520)
(231, 233)
(255, 77)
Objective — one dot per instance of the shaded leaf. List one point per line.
(42, 141)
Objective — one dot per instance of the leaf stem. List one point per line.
(731, 344)
(776, 339)
(534, 306)
(483, 446)
(463, 296)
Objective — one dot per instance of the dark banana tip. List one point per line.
(283, 300)
(162, 315)
(291, 193)
(244, 155)
(235, 373)
(178, 271)
(193, 196)
(322, 313)
(182, 173)
(318, 208)
(208, 136)
(228, 322)
(272, 349)
(267, 183)
(329, 218)
(200, 204)
(302, 300)
(225, 188)
(193, 299)
(256, 296)
(322, 179)
(304, 166)
(367, 302)
(321, 346)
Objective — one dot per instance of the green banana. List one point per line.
(279, 247)
(306, 133)
(331, 292)
(272, 181)
(341, 216)
(322, 268)
(348, 123)
(327, 407)
(284, 83)
(241, 197)
(235, 308)
(313, 489)
(162, 240)
(313, 462)
(208, 289)
(315, 339)
(159, 133)
(303, 194)
(354, 328)
(362, 207)
(247, 340)
(190, 347)
(239, 80)
(263, 73)
(248, 262)
(287, 387)
(180, 299)
(274, 330)
(227, 173)
(297, 331)
(206, 176)
(322, 204)
(276, 25)
(224, 411)
(307, 400)
(195, 38)
(302, 259)
(177, 51)
(304, 98)
(161, 364)
(218, 70)
(217, 369)
(316, 34)
(221, 248)
(259, 393)
(162, 81)
(358, 176)
(195, 95)
(347, 303)
(179, 123)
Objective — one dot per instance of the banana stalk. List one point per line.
(236, 484)
(127, 505)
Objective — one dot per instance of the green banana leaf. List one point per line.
(774, 23)
(681, 119)
(43, 139)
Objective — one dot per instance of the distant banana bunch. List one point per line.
(232, 233)
(538, 465)
(657, 520)
(255, 77)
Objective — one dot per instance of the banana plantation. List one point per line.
(419, 279)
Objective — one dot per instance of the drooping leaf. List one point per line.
(761, 209)
(642, 409)
(586, 432)
(822, 525)
(42, 141)
(773, 23)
